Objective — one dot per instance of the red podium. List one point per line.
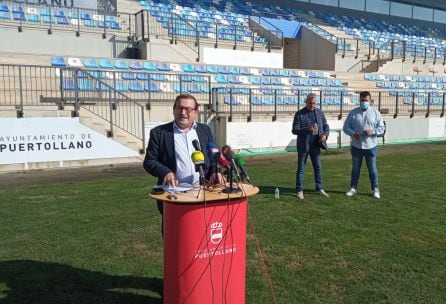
(205, 245)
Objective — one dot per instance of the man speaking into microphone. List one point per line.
(168, 154)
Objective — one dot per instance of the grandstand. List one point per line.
(109, 75)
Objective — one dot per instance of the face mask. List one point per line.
(364, 105)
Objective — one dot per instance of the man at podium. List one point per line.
(168, 154)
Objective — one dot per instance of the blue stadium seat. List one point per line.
(161, 66)
(221, 79)
(57, 61)
(254, 80)
(245, 71)
(33, 18)
(62, 20)
(158, 77)
(114, 25)
(200, 68)
(212, 69)
(85, 85)
(121, 86)
(89, 23)
(223, 70)
(188, 68)
(4, 8)
(153, 87)
(19, 16)
(228, 101)
(142, 76)
(5, 15)
(121, 64)
(90, 63)
(128, 76)
(85, 16)
(45, 12)
(105, 64)
(68, 84)
(149, 66)
(135, 65)
(135, 86)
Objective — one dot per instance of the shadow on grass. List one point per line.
(25, 281)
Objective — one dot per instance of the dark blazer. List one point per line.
(160, 154)
(302, 119)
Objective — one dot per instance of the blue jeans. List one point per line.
(370, 160)
(315, 155)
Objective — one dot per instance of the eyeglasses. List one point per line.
(187, 109)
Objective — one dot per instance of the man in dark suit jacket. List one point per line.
(312, 130)
(168, 154)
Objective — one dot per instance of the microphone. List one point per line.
(196, 145)
(212, 151)
(241, 164)
(198, 160)
(229, 156)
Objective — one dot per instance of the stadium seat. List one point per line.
(105, 64)
(32, 18)
(75, 62)
(142, 76)
(153, 87)
(121, 64)
(135, 86)
(161, 66)
(149, 66)
(90, 63)
(128, 76)
(57, 61)
(135, 65)
(4, 8)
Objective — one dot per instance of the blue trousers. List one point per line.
(370, 160)
(315, 155)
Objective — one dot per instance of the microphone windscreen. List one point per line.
(239, 160)
(222, 161)
(211, 145)
(196, 145)
(197, 157)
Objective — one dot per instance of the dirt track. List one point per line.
(54, 176)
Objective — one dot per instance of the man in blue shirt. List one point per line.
(363, 125)
(311, 128)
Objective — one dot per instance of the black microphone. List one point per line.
(229, 155)
(196, 145)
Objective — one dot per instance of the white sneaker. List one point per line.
(351, 192)
(323, 193)
(300, 195)
(375, 193)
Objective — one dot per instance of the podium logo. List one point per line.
(216, 232)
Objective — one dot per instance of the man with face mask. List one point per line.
(363, 125)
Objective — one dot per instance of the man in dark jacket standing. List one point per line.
(168, 154)
(312, 130)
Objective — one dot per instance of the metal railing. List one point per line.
(77, 20)
(250, 102)
(25, 87)
(162, 24)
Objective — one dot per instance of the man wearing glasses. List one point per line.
(363, 125)
(311, 128)
(168, 154)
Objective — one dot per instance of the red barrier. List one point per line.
(205, 252)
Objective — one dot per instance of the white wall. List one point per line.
(242, 58)
(267, 135)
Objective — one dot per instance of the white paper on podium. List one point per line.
(182, 187)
